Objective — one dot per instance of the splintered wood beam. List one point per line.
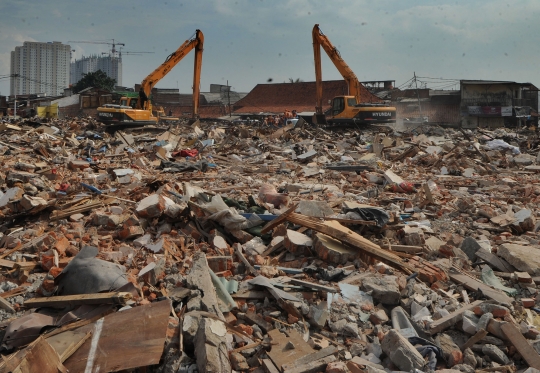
(277, 221)
(75, 300)
(336, 230)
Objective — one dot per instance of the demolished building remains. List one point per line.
(215, 247)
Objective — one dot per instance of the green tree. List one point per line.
(298, 80)
(97, 79)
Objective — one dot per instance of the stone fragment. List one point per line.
(384, 289)
(495, 354)
(238, 361)
(151, 206)
(413, 236)
(211, 347)
(379, 317)
(433, 243)
(484, 321)
(78, 165)
(525, 221)
(470, 246)
(318, 209)
(401, 352)
(469, 358)
(30, 203)
(12, 194)
(523, 258)
(451, 351)
(337, 367)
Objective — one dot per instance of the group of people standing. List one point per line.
(280, 120)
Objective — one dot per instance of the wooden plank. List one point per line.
(125, 340)
(449, 320)
(494, 261)
(65, 344)
(475, 285)
(336, 230)
(428, 194)
(39, 356)
(255, 318)
(76, 300)
(314, 366)
(268, 366)
(526, 351)
(249, 267)
(475, 338)
(282, 352)
(277, 221)
(404, 248)
(322, 353)
(312, 285)
(7, 263)
(351, 221)
(6, 306)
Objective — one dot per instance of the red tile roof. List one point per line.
(275, 98)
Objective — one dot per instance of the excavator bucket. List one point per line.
(319, 119)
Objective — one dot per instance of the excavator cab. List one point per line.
(338, 105)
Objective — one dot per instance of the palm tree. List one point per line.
(298, 80)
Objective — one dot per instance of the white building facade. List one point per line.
(41, 68)
(110, 65)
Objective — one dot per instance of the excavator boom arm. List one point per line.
(320, 40)
(196, 42)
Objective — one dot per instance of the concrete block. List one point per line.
(385, 289)
(151, 206)
(318, 209)
(523, 258)
(470, 246)
(401, 352)
(211, 347)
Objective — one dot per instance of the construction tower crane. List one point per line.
(133, 53)
(113, 44)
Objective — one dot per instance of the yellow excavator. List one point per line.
(131, 112)
(345, 109)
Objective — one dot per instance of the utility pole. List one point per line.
(229, 97)
(15, 101)
(417, 95)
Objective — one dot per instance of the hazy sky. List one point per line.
(250, 41)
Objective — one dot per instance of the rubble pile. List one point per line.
(209, 247)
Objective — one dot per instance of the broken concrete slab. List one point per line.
(318, 209)
(211, 347)
(151, 206)
(470, 246)
(401, 352)
(523, 258)
(384, 289)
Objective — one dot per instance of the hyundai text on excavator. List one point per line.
(129, 112)
(345, 109)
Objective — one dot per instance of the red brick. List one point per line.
(455, 357)
(528, 302)
(246, 329)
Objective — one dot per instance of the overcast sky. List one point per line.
(251, 41)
